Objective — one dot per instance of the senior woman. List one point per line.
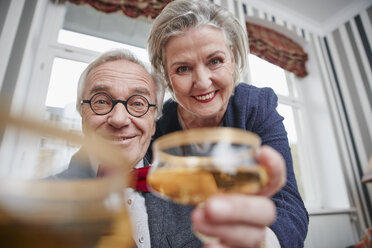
(200, 48)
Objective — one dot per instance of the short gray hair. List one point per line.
(121, 54)
(181, 15)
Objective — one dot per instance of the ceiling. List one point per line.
(320, 16)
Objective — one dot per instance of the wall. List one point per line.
(347, 51)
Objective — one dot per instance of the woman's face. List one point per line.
(200, 70)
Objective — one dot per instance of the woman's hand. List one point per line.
(275, 166)
(239, 220)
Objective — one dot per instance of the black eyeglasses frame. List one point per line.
(115, 101)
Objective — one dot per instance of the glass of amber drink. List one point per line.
(38, 209)
(190, 166)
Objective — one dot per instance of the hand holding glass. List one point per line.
(191, 166)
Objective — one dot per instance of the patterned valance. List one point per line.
(277, 49)
(131, 8)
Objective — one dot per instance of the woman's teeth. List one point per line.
(205, 97)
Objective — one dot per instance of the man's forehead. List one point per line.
(120, 73)
(143, 90)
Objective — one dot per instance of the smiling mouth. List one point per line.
(120, 139)
(206, 97)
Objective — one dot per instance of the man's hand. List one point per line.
(240, 220)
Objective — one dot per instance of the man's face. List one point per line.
(120, 79)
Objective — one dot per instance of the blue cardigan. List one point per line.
(254, 109)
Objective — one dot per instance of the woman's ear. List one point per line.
(232, 54)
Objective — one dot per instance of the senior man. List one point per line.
(118, 100)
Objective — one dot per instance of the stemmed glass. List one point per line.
(192, 165)
(40, 211)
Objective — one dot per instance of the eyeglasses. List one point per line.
(102, 103)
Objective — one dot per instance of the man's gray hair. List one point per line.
(121, 54)
(180, 15)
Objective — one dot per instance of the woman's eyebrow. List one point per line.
(218, 52)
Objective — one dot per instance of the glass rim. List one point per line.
(207, 134)
(200, 135)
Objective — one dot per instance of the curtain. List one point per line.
(131, 8)
(276, 49)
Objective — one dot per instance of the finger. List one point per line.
(274, 163)
(232, 235)
(238, 208)
(241, 236)
(215, 245)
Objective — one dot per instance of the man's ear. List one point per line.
(83, 129)
(153, 127)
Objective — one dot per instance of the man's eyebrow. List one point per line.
(98, 88)
(143, 91)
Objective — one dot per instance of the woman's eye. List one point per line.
(182, 69)
(215, 61)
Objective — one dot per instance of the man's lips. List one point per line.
(206, 97)
(120, 139)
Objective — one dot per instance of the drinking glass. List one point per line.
(37, 210)
(192, 165)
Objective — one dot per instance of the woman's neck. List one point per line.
(189, 120)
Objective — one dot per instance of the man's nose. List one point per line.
(119, 116)
(202, 77)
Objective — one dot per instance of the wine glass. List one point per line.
(192, 165)
(39, 211)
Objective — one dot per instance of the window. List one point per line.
(265, 74)
(80, 35)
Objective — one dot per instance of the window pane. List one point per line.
(98, 44)
(60, 109)
(63, 82)
(289, 123)
(265, 74)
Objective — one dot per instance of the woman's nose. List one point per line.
(202, 77)
(119, 116)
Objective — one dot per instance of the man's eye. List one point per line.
(100, 102)
(182, 69)
(138, 104)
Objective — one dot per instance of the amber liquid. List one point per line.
(194, 185)
(101, 229)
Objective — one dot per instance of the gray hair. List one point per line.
(180, 15)
(121, 54)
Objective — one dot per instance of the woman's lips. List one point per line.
(206, 97)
